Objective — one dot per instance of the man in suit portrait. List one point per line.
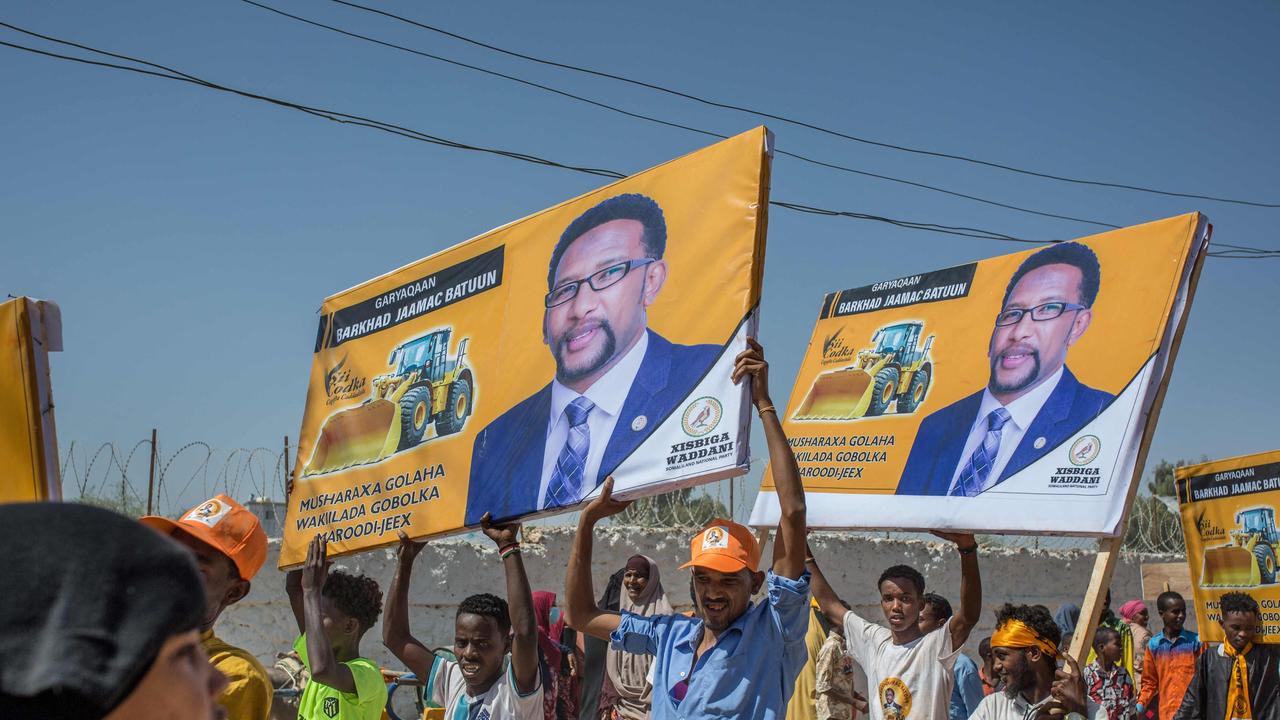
(615, 380)
(1032, 402)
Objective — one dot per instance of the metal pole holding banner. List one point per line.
(151, 474)
(1109, 548)
(288, 478)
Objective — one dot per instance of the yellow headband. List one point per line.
(1017, 634)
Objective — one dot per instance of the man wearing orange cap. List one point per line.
(230, 547)
(736, 659)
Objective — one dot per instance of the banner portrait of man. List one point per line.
(512, 372)
(1032, 402)
(614, 376)
(1041, 383)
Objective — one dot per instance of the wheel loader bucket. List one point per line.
(837, 395)
(356, 436)
(1230, 566)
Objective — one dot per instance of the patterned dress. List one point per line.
(1112, 689)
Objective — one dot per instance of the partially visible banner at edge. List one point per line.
(1228, 512)
(29, 330)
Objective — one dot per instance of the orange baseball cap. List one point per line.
(725, 546)
(225, 525)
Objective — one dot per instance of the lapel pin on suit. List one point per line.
(639, 423)
(1039, 443)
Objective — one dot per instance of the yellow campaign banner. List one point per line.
(1007, 395)
(512, 373)
(1228, 512)
(29, 331)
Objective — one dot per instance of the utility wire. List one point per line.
(660, 121)
(954, 230)
(339, 117)
(802, 123)
(168, 73)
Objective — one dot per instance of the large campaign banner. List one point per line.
(1228, 512)
(1007, 395)
(511, 374)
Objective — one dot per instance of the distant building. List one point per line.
(270, 513)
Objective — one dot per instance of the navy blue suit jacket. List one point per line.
(935, 455)
(506, 462)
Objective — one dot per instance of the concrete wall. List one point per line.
(448, 571)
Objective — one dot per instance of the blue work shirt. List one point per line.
(749, 673)
(967, 692)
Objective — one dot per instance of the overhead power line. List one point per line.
(802, 123)
(169, 73)
(339, 117)
(668, 123)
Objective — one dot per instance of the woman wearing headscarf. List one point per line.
(557, 653)
(1135, 613)
(629, 673)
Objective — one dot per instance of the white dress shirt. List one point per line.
(1022, 413)
(608, 395)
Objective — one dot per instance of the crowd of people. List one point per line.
(105, 617)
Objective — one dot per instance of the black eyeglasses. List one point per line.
(1047, 311)
(598, 281)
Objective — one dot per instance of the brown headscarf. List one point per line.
(628, 672)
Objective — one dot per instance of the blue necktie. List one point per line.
(571, 463)
(973, 478)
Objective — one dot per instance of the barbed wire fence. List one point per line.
(110, 474)
(106, 474)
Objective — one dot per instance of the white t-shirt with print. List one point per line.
(447, 688)
(904, 682)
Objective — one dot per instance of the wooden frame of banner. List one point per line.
(762, 537)
(1109, 548)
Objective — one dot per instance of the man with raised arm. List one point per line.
(482, 683)
(910, 673)
(333, 611)
(737, 659)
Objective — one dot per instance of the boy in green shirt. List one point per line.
(333, 611)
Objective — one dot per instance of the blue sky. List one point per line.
(190, 236)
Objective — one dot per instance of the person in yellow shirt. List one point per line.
(802, 705)
(229, 546)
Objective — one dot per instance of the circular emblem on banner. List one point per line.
(1085, 450)
(894, 699)
(701, 416)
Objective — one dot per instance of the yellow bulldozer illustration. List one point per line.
(424, 389)
(1250, 559)
(896, 369)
